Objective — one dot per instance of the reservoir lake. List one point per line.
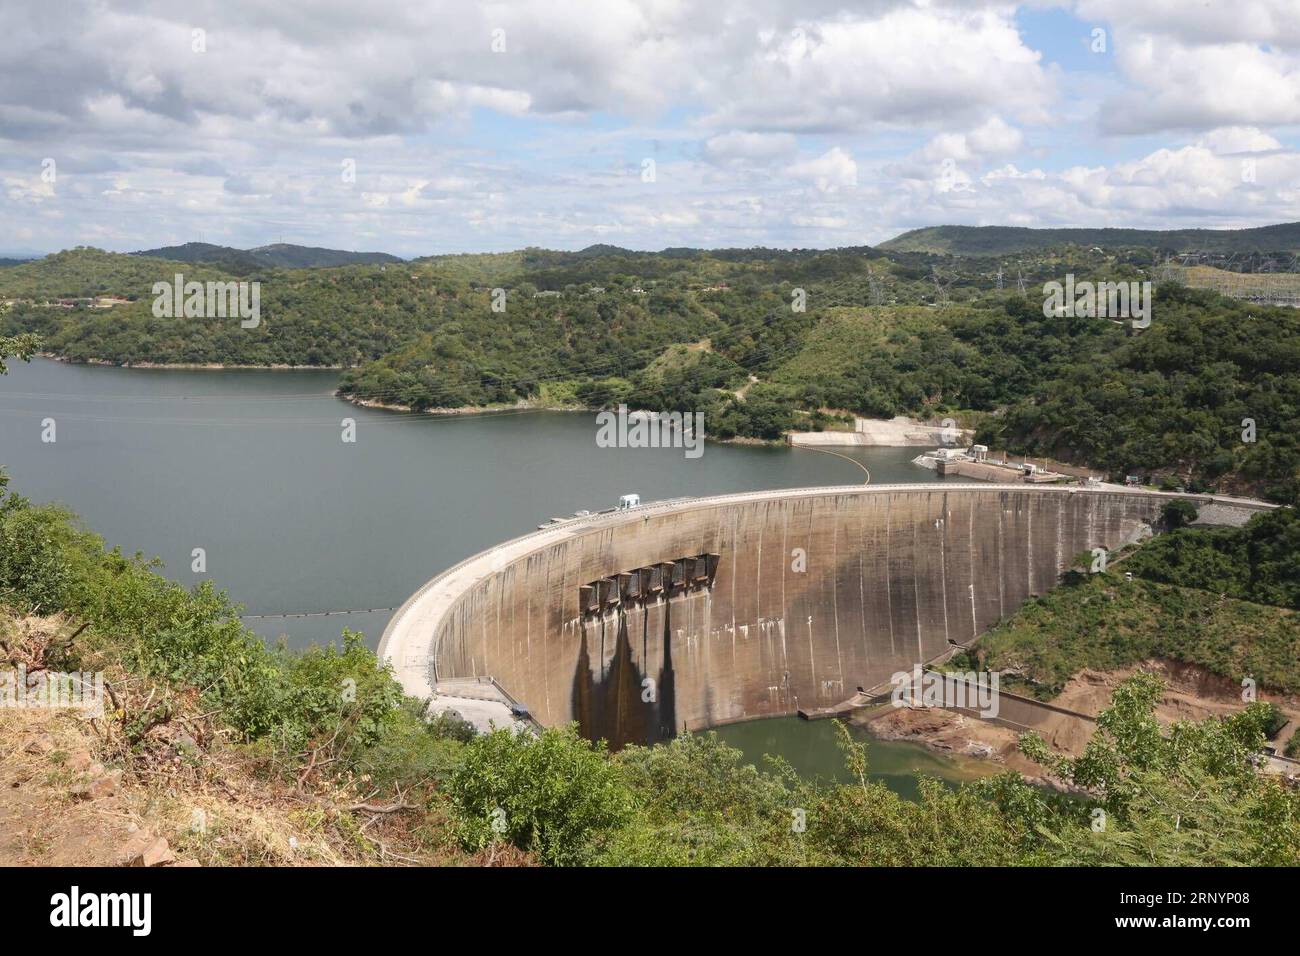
(250, 466)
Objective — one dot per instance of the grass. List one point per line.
(1105, 623)
(220, 802)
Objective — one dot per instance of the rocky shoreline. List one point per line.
(1191, 693)
(956, 735)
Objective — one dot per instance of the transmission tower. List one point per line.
(1020, 280)
(999, 277)
(940, 288)
(877, 293)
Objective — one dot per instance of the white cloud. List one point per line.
(1239, 139)
(908, 64)
(1272, 22)
(828, 172)
(1199, 87)
(992, 138)
(795, 122)
(738, 145)
(995, 137)
(27, 190)
(390, 66)
(1196, 66)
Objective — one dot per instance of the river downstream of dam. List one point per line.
(246, 475)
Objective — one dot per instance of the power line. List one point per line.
(435, 391)
(441, 391)
(762, 354)
(614, 364)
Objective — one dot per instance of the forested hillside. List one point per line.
(1223, 599)
(1006, 240)
(762, 341)
(1175, 398)
(281, 254)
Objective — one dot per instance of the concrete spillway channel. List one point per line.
(691, 613)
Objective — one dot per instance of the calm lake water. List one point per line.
(250, 467)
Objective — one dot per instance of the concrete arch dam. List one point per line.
(697, 612)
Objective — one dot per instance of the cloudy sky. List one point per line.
(426, 126)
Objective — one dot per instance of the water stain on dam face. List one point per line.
(618, 702)
(894, 576)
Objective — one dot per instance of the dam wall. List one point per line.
(690, 614)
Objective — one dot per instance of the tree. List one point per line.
(1188, 795)
(1178, 513)
(17, 346)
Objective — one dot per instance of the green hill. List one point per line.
(288, 256)
(86, 271)
(281, 255)
(845, 330)
(1001, 240)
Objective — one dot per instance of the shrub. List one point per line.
(450, 725)
(36, 563)
(1178, 513)
(699, 803)
(551, 794)
(1274, 720)
(339, 699)
(1258, 562)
